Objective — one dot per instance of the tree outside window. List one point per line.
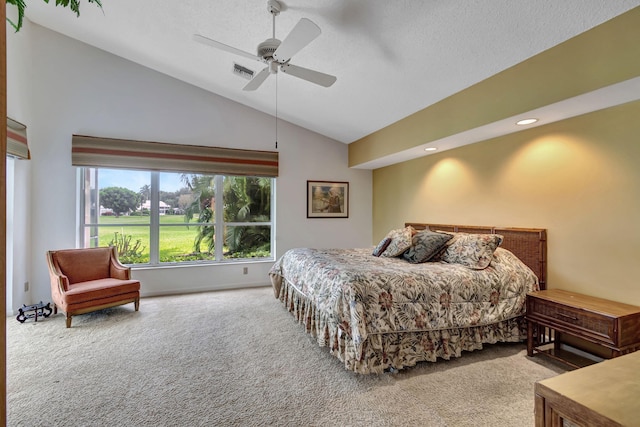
(157, 217)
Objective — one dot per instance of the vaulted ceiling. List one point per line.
(391, 58)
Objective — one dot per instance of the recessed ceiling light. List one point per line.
(430, 149)
(526, 121)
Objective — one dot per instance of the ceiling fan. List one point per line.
(277, 54)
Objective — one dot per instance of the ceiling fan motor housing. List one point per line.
(267, 47)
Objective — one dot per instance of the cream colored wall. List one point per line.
(578, 178)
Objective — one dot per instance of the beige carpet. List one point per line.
(237, 358)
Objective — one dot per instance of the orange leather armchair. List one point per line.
(85, 280)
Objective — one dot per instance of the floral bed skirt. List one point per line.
(397, 350)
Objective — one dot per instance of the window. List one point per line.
(156, 218)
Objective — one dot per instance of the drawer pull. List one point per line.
(566, 316)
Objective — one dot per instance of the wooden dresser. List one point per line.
(604, 394)
(553, 312)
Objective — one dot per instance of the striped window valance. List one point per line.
(17, 140)
(123, 153)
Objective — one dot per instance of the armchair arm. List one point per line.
(63, 283)
(58, 279)
(118, 270)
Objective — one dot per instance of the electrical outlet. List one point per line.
(26, 286)
(245, 270)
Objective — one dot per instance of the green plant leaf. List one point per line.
(74, 5)
(20, 4)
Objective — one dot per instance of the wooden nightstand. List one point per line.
(553, 312)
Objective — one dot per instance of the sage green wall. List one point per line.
(578, 178)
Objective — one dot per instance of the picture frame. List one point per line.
(327, 199)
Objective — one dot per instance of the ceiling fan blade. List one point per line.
(257, 80)
(312, 76)
(222, 46)
(302, 34)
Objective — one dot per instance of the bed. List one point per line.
(378, 313)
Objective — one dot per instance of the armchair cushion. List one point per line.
(99, 289)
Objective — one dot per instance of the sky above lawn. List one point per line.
(135, 180)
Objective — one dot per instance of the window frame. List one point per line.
(155, 226)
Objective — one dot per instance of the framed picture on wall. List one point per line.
(327, 199)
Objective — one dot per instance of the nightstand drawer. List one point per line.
(587, 324)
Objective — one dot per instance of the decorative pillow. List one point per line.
(471, 250)
(381, 246)
(425, 244)
(400, 241)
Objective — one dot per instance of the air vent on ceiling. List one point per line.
(243, 72)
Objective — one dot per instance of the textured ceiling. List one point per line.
(391, 58)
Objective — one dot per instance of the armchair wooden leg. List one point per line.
(55, 308)
(68, 320)
(136, 303)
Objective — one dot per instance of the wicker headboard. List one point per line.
(528, 244)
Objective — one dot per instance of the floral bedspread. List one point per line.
(351, 295)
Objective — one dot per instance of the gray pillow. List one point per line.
(381, 246)
(425, 244)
